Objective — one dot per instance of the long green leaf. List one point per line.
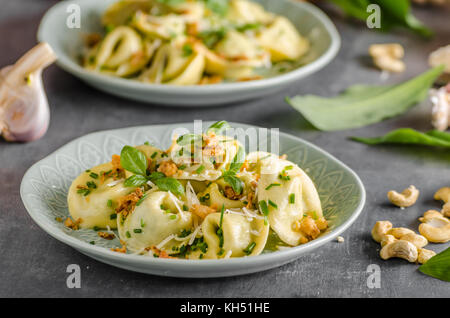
(409, 136)
(363, 105)
(438, 266)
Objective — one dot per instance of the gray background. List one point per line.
(34, 264)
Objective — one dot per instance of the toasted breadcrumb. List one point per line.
(106, 235)
(159, 253)
(74, 225)
(168, 167)
(309, 227)
(230, 194)
(202, 210)
(127, 203)
(340, 239)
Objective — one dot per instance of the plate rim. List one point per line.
(287, 254)
(66, 63)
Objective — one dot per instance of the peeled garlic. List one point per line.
(24, 111)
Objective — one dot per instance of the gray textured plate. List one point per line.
(44, 189)
(67, 44)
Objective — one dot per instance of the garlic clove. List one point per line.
(24, 111)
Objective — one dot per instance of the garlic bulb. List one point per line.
(24, 111)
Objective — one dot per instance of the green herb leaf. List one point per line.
(135, 180)
(264, 208)
(249, 249)
(170, 184)
(141, 199)
(363, 105)
(237, 162)
(187, 50)
(234, 182)
(188, 139)
(218, 6)
(292, 198)
(438, 266)
(211, 37)
(393, 13)
(133, 160)
(218, 127)
(156, 175)
(409, 136)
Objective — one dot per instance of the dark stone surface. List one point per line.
(34, 264)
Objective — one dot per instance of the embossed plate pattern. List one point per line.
(44, 189)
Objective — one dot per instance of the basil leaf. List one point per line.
(364, 105)
(133, 160)
(170, 184)
(234, 182)
(156, 175)
(218, 127)
(438, 266)
(237, 161)
(218, 6)
(409, 136)
(188, 139)
(135, 180)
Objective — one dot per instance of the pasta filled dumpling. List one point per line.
(283, 41)
(243, 12)
(289, 197)
(234, 236)
(93, 196)
(202, 157)
(155, 222)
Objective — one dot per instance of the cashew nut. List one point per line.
(418, 240)
(435, 227)
(401, 249)
(380, 229)
(399, 232)
(405, 199)
(387, 239)
(443, 194)
(387, 56)
(446, 210)
(424, 255)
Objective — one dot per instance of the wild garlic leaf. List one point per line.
(135, 180)
(363, 105)
(409, 136)
(438, 266)
(133, 160)
(169, 184)
(393, 13)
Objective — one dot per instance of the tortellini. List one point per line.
(224, 204)
(193, 42)
(154, 220)
(89, 197)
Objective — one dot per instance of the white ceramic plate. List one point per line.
(67, 44)
(44, 189)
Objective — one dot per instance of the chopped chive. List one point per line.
(91, 185)
(292, 198)
(266, 220)
(109, 203)
(141, 200)
(273, 204)
(147, 143)
(137, 231)
(88, 170)
(182, 167)
(264, 208)
(84, 192)
(201, 256)
(249, 249)
(315, 216)
(142, 223)
(272, 185)
(185, 207)
(173, 217)
(93, 175)
(96, 228)
(92, 242)
(288, 167)
(113, 216)
(154, 155)
(284, 177)
(200, 169)
(128, 234)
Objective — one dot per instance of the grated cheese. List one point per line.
(165, 241)
(115, 182)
